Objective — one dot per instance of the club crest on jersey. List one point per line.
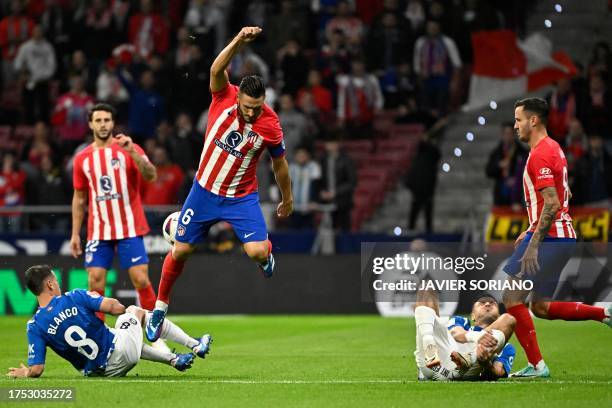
(233, 139)
(116, 164)
(252, 137)
(180, 231)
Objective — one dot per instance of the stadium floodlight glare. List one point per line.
(493, 105)
(446, 167)
(481, 120)
(458, 152)
(558, 8)
(397, 231)
(469, 136)
(548, 23)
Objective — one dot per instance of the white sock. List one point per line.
(172, 332)
(159, 305)
(500, 337)
(425, 317)
(540, 366)
(159, 356)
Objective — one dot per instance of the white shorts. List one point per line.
(128, 346)
(447, 370)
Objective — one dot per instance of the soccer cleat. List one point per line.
(155, 324)
(431, 356)
(267, 268)
(531, 372)
(203, 347)
(182, 362)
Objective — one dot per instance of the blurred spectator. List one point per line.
(186, 145)
(147, 107)
(294, 124)
(206, 22)
(182, 54)
(415, 13)
(293, 66)
(247, 62)
(421, 180)
(562, 103)
(367, 10)
(387, 44)
(12, 192)
(321, 96)
(35, 150)
(595, 112)
(600, 62)
(435, 58)
(305, 174)
(56, 23)
(290, 23)
(15, 29)
(359, 98)
(190, 85)
(35, 60)
(576, 145)
(593, 184)
(398, 83)
(148, 31)
(335, 58)
(344, 21)
(338, 181)
(505, 166)
(164, 189)
(109, 89)
(78, 66)
(70, 114)
(49, 188)
(97, 35)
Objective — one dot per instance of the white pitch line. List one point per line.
(131, 380)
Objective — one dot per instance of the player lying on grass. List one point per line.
(68, 325)
(453, 350)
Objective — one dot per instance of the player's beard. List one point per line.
(98, 135)
(523, 138)
(487, 319)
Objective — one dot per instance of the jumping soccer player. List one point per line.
(110, 171)
(240, 126)
(542, 251)
(68, 325)
(452, 349)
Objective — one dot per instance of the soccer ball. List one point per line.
(169, 227)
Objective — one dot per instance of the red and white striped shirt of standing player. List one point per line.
(232, 147)
(547, 167)
(114, 182)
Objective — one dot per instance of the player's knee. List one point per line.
(258, 253)
(96, 281)
(136, 311)
(140, 279)
(540, 309)
(180, 251)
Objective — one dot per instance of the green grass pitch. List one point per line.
(325, 361)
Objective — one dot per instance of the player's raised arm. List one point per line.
(218, 75)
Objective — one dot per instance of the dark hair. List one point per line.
(253, 86)
(104, 107)
(534, 105)
(36, 276)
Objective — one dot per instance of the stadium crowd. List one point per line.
(331, 66)
(580, 119)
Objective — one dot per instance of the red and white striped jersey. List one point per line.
(114, 181)
(547, 167)
(232, 147)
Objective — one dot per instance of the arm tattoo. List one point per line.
(551, 206)
(146, 168)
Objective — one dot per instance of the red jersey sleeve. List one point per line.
(542, 167)
(229, 91)
(79, 180)
(274, 138)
